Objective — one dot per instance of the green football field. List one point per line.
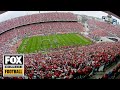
(40, 43)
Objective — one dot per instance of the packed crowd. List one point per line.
(98, 33)
(70, 62)
(35, 29)
(100, 28)
(112, 74)
(74, 62)
(36, 18)
(77, 62)
(43, 28)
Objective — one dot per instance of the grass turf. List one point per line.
(38, 43)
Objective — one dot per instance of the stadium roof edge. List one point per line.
(114, 13)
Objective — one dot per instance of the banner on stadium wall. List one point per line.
(13, 65)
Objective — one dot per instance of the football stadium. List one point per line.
(63, 44)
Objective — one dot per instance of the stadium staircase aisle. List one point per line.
(99, 75)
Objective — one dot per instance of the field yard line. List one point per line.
(40, 43)
(53, 45)
(48, 37)
(19, 49)
(51, 40)
(82, 38)
(71, 38)
(44, 43)
(24, 46)
(86, 39)
(47, 44)
(76, 38)
(60, 40)
(35, 44)
(29, 45)
(68, 39)
(63, 37)
(32, 44)
(37, 47)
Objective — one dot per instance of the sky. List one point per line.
(13, 14)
